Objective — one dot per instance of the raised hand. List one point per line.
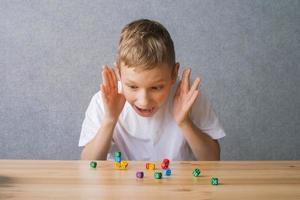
(113, 101)
(184, 97)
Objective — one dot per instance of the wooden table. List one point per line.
(45, 179)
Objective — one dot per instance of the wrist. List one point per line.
(109, 120)
(186, 123)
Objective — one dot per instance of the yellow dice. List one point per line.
(117, 165)
(124, 164)
(121, 165)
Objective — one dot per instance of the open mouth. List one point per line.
(144, 111)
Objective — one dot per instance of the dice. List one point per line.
(157, 175)
(139, 174)
(214, 181)
(93, 164)
(118, 154)
(117, 159)
(123, 164)
(196, 172)
(150, 166)
(165, 164)
(119, 163)
(167, 172)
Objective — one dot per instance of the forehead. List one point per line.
(158, 73)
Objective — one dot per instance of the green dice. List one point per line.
(196, 172)
(118, 154)
(93, 164)
(157, 175)
(214, 181)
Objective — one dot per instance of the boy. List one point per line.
(141, 108)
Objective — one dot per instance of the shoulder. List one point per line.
(96, 104)
(97, 98)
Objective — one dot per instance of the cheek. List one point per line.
(162, 96)
(129, 96)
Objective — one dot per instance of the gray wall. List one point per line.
(247, 52)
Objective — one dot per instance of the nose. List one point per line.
(143, 99)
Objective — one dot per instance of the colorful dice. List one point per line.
(214, 181)
(93, 164)
(157, 175)
(117, 156)
(119, 163)
(165, 164)
(123, 164)
(167, 172)
(139, 174)
(196, 172)
(150, 166)
(117, 159)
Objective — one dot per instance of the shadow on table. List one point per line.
(6, 181)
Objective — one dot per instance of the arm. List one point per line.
(98, 148)
(203, 147)
(113, 103)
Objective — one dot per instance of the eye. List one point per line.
(157, 87)
(132, 87)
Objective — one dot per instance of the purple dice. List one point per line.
(140, 174)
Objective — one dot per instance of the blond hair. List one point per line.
(145, 44)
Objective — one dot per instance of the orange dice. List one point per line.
(150, 166)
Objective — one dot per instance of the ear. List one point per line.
(175, 72)
(117, 71)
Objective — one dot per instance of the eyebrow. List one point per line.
(154, 82)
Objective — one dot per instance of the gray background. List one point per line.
(248, 53)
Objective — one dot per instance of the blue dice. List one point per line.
(167, 172)
(118, 159)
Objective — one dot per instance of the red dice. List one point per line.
(165, 164)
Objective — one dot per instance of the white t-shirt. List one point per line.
(154, 138)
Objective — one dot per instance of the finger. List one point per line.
(102, 89)
(195, 85)
(114, 79)
(109, 78)
(185, 80)
(191, 100)
(104, 76)
(117, 73)
(104, 93)
(178, 89)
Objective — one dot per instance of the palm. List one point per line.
(112, 99)
(113, 104)
(185, 97)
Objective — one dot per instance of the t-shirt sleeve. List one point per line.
(204, 117)
(92, 120)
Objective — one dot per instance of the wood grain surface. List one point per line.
(58, 179)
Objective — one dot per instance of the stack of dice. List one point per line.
(119, 163)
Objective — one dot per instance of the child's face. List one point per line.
(147, 90)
